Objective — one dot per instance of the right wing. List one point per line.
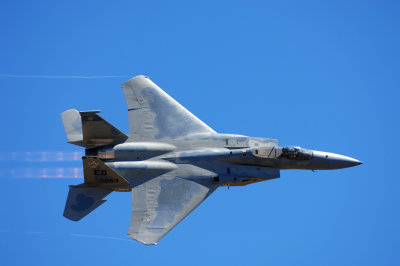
(153, 114)
(161, 203)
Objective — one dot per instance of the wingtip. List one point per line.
(135, 78)
(142, 241)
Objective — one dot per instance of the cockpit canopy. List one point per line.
(290, 153)
(295, 153)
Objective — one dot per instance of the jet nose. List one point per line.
(327, 160)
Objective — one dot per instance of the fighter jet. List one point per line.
(171, 161)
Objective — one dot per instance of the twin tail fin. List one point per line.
(100, 180)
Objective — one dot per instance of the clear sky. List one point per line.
(319, 74)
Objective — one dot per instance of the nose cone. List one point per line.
(327, 160)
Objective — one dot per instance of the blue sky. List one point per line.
(319, 74)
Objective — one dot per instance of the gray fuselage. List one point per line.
(224, 159)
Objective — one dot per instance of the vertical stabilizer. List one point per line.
(73, 126)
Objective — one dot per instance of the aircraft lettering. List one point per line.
(100, 172)
(108, 180)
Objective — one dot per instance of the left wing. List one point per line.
(161, 203)
(153, 114)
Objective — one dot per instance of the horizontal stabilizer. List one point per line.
(83, 200)
(98, 132)
(90, 130)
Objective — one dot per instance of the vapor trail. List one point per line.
(74, 235)
(60, 77)
(103, 237)
(41, 156)
(72, 172)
